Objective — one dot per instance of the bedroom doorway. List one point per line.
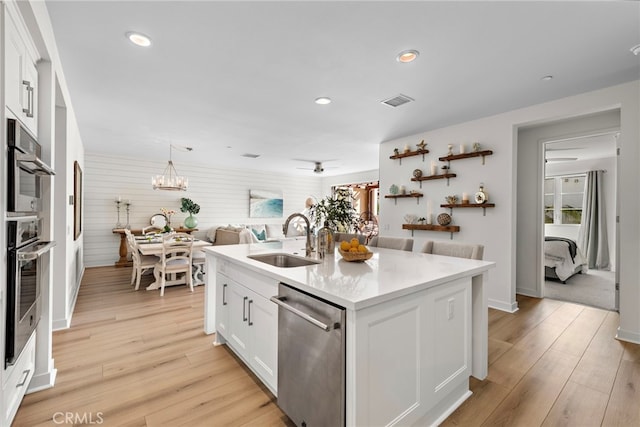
(580, 233)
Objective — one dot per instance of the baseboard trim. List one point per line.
(504, 306)
(628, 336)
(42, 381)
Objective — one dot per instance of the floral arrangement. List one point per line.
(168, 213)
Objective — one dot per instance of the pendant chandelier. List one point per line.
(170, 180)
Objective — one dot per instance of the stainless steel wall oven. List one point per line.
(24, 171)
(24, 254)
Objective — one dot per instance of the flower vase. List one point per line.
(191, 222)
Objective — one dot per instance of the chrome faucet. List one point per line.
(285, 228)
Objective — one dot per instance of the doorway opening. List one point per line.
(580, 199)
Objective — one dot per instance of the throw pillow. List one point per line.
(260, 235)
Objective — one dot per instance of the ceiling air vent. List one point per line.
(251, 156)
(397, 101)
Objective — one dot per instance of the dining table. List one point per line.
(153, 246)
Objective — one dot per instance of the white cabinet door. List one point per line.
(222, 306)
(21, 76)
(238, 330)
(30, 95)
(249, 323)
(263, 326)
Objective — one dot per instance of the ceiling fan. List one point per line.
(318, 166)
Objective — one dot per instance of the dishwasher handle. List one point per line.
(280, 301)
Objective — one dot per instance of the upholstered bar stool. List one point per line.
(454, 249)
(392, 243)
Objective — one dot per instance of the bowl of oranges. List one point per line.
(353, 251)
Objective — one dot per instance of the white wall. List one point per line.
(499, 229)
(223, 196)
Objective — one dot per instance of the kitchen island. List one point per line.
(416, 324)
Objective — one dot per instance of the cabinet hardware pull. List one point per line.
(279, 300)
(224, 294)
(244, 313)
(29, 110)
(30, 113)
(250, 302)
(24, 380)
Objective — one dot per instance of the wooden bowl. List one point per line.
(355, 256)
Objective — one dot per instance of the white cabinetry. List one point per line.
(248, 321)
(16, 380)
(21, 74)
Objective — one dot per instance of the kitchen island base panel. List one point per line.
(409, 358)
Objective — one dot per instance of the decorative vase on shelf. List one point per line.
(191, 221)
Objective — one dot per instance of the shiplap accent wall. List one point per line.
(223, 196)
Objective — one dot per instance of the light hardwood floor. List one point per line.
(136, 359)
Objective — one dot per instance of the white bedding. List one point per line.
(557, 255)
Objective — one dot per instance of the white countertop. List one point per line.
(354, 285)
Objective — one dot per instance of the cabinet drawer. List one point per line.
(18, 377)
(258, 283)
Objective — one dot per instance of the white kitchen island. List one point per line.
(416, 324)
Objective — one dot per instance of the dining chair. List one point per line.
(340, 237)
(141, 263)
(198, 261)
(392, 243)
(176, 257)
(454, 249)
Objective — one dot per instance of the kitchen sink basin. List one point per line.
(283, 260)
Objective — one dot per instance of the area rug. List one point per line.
(596, 288)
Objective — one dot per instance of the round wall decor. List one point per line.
(417, 173)
(444, 219)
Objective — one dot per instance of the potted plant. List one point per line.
(337, 210)
(193, 208)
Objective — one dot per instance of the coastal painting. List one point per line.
(265, 204)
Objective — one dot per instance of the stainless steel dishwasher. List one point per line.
(311, 358)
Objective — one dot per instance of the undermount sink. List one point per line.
(283, 260)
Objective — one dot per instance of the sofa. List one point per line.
(250, 233)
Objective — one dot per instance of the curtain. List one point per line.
(592, 235)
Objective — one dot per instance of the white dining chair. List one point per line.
(141, 263)
(177, 257)
(198, 261)
(392, 243)
(454, 249)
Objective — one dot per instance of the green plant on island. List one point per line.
(338, 210)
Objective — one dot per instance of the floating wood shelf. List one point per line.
(400, 156)
(430, 177)
(482, 154)
(430, 227)
(484, 206)
(400, 196)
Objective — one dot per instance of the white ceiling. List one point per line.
(229, 78)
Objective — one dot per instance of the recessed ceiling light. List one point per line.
(139, 39)
(407, 56)
(635, 50)
(323, 100)
(546, 78)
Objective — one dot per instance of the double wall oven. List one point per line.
(26, 251)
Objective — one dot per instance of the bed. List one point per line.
(562, 259)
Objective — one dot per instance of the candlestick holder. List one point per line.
(128, 204)
(118, 224)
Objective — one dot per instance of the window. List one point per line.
(563, 199)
